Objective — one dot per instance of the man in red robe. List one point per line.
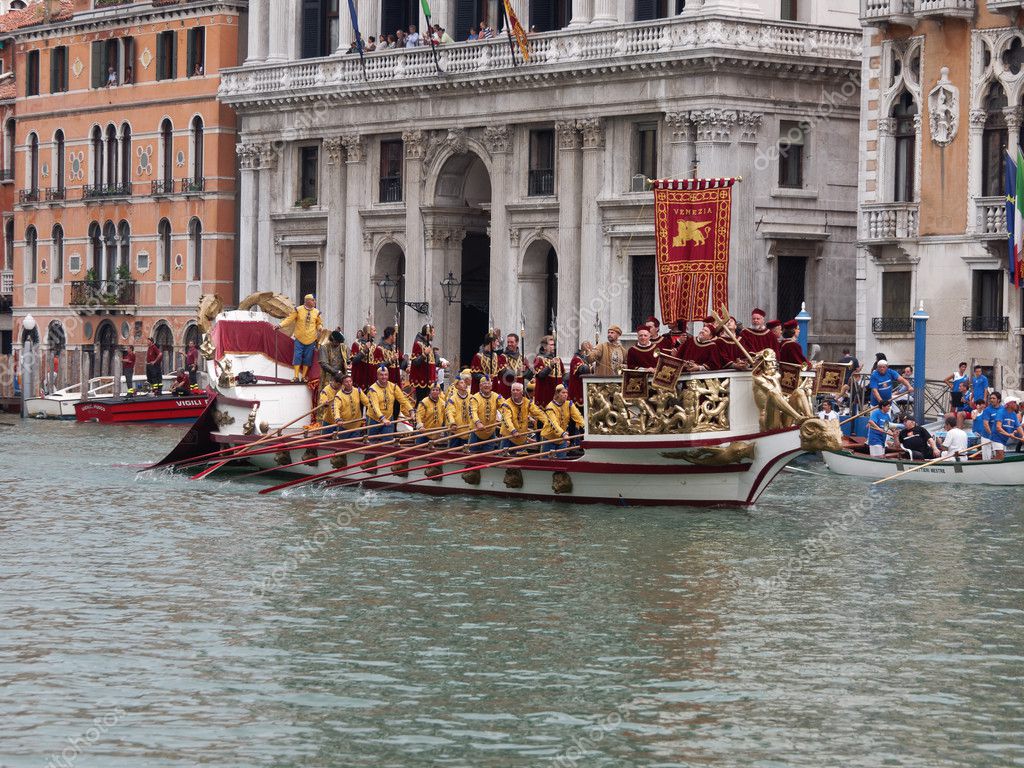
(775, 326)
(548, 372)
(363, 372)
(791, 351)
(728, 350)
(389, 355)
(578, 368)
(757, 336)
(643, 354)
(702, 349)
(488, 361)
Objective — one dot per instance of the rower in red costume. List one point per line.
(578, 368)
(489, 361)
(643, 354)
(757, 336)
(791, 351)
(702, 349)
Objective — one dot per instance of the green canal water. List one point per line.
(149, 621)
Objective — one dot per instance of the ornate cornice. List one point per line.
(714, 125)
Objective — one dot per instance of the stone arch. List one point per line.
(105, 347)
(164, 338)
(538, 288)
(389, 263)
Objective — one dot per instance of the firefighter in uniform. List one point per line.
(305, 323)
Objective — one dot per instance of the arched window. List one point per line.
(111, 151)
(9, 244)
(57, 254)
(124, 233)
(31, 254)
(109, 251)
(167, 153)
(165, 340)
(97, 157)
(993, 139)
(126, 158)
(905, 148)
(9, 148)
(164, 248)
(58, 162)
(197, 150)
(195, 247)
(33, 164)
(95, 250)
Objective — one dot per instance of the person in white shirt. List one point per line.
(413, 38)
(826, 413)
(954, 442)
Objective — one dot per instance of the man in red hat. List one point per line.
(489, 361)
(757, 336)
(643, 354)
(664, 342)
(790, 350)
(702, 348)
(728, 350)
(775, 326)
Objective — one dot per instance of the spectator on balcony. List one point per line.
(111, 76)
(129, 75)
(198, 71)
(128, 368)
(401, 38)
(443, 35)
(472, 35)
(371, 44)
(486, 33)
(154, 371)
(413, 38)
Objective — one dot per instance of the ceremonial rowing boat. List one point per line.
(704, 442)
(1009, 471)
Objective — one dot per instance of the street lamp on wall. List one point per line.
(450, 287)
(389, 294)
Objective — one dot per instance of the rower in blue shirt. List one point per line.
(985, 426)
(1009, 427)
(979, 386)
(882, 381)
(878, 428)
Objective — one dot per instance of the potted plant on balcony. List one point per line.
(124, 272)
(90, 275)
(306, 203)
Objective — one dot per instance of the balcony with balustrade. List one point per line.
(990, 216)
(103, 191)
(877, 13)
(889, 222)
(6, 282)
(948, 9)
(1006, 6)
(103, 296)
(594, 49)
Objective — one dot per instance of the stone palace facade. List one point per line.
(524, 180)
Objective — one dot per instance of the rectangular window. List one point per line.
(549, 15)
(542, 163)
(166, 56)
(391, 171)
(646, 164)
(196, 52)
(59, 69)
(791, 154)
(307, 279)
(32, 74)
(789, 10)
(896, 295)
(99, 67)
(128, 60)
(642, 284)
(789, 285)
(647, 10)
(309, 167)
(987, 293)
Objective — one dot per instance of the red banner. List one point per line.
(691, 223)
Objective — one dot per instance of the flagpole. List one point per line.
(508, 29)
(430, 37)
(359, 36)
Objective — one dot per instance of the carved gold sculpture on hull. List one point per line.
(697, 405)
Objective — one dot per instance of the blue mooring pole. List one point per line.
(920, 347)
(804, 319)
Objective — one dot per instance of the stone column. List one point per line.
(570, 181)
(268, 273)
(582, 13)
(331, 293)
(679, 159)
(346, 32)
(605, 12)
(714, 141)
(594, 267)
(357, 299)
(282, 27)
(504, 259)
(257, 30)
(369, 17)
(886, 129)
(248, 207)
(417, 270)
(752, 276)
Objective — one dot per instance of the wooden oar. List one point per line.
(519, 457)
(340, 482)
(869, 409)
(339, 470)
(399, 436)
(965, 453)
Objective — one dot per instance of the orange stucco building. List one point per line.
(124, 171)
(942, 99)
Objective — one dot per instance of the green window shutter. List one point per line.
(98, 74)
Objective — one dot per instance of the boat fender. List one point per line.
(561, 482)
(282, 457)
(339, 461)
(472, 477)
(402, 470)
(371, 467)
(311, 456)
(513, 478)
(432, 472)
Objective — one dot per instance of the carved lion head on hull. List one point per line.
(820, 435)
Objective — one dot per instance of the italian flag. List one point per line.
(1018, 220)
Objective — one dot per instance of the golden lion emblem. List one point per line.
(689, 230)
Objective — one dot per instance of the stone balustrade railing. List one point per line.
(889, 222)
(884, 10)
(963, 8)
(678, 36)
(990, 213)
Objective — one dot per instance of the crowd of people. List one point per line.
(413, 38)
(502, 394)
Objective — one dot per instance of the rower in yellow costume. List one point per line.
(560, 412)
(382, 396)
(431, 413)
(485, 405)
(516, 412)
(350, 404)
(460, 413)
(305, 324)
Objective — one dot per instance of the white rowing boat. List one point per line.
(1009, 471)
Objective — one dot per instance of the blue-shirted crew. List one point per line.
(1008, 427)
(878, 428)
(985, 426)
(979, 386)
(883, 379)
(954, 380)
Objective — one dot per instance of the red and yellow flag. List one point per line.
(517, 30)
(691, 223)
